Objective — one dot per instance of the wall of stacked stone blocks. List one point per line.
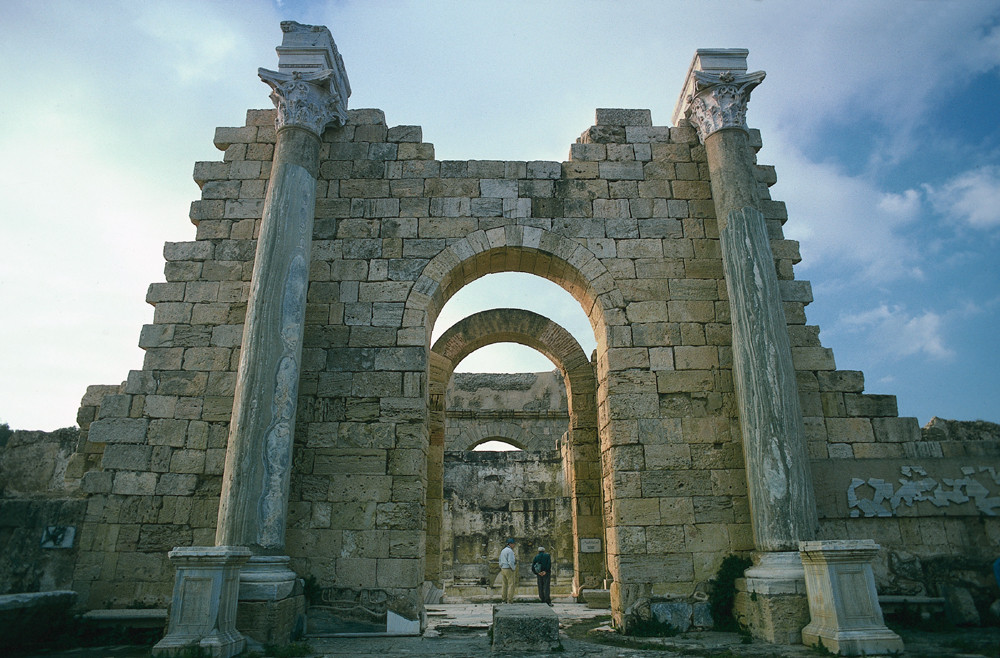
(626, 224)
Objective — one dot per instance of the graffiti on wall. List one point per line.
(979, 484)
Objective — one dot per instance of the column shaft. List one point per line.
(254, 502)
(779, 481)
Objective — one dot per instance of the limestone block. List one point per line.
(676, 614)
(696, 358)
(687, 381)
(525, 627)
(896, 430)
(126, 457)
(373, 132)
(588, 152)
(176, 484)
(877, 450)
(655, 569)
(850, 430)
(356, 572)
(404, 134)
(671, 153)
(130, 483)
(579, 169)
(655, 189)
(646, 134)
(691, 189)
(850, 381)
(636, 511)
(623, 117)
(813, 358)
(691, 311)
(118, 430)
(619, 170)
(206, 358)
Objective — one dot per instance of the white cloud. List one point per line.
(892, 331)
(905, 205)
(845, 221)
(972, 198)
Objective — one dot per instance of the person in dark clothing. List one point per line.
(541, 566)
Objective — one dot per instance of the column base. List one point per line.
(272, 605)
(771, 598)
(267, 578)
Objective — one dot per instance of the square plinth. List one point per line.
(525, 627)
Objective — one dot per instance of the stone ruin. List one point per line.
(295, 449)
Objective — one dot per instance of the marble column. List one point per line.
(779, 482)
(310, 92)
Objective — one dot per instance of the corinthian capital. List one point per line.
(719, 100)
(305, 100)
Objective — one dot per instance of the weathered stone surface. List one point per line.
(525, 627)
(630, 226)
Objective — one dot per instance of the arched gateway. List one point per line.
(285, 426)
(581, 454)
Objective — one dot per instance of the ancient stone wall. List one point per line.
(39, 516)
(626, 225)
(492, 496)
(527, 410)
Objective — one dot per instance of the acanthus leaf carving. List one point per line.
(720, 100)
(305, 100)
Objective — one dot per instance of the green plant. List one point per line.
(723, 592)
(312, 590)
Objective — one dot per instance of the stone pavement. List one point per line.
(461, 631)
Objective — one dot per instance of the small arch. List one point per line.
(496, 439)
(496, 431)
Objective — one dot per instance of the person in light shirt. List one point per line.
(508, 570)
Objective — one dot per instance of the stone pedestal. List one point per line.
(843, 603)
(525, 627)
(203, 608)
(771, 598)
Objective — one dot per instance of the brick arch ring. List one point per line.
(506, 432)
(512, 325)
(516, 248)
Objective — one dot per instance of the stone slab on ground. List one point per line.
(128, 617)
(525, 627)
(597, 598)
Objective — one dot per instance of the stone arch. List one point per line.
(569, 264)
(580, 450)
(515, 248)
(506, 432)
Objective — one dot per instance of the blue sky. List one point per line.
(880, 117)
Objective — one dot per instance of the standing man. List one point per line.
(541, 566)
(508, 569)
